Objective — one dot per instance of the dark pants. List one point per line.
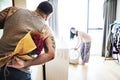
(13, 74)
(85, 51)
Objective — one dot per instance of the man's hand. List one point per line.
(16, 63)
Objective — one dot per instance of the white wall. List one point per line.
(118, 10)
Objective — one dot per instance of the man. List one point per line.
(84, 43)
(16, 23)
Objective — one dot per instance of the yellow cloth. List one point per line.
(24, 46)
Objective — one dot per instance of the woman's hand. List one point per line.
(16, 63)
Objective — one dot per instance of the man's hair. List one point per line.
(46, 7)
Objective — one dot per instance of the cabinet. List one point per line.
(37, 72)
(57, 69)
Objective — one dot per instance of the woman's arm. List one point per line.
(79, 42)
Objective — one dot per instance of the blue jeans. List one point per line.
(13, 74)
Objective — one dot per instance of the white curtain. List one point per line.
(53, 22)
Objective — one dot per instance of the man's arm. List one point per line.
(45, 57)
(40, 59)
(4, 14)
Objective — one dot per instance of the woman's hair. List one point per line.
(72, 34)
(46, 7)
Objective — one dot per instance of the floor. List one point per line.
(97, 69)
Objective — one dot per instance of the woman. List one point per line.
(84, 43)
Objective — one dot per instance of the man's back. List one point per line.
(15, 28)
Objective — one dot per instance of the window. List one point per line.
(5, 4)
(73, 14)
(86, 16)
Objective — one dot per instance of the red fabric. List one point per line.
(39, 42)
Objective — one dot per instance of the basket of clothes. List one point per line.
(74, 56)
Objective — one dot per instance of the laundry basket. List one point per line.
(74, 56)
